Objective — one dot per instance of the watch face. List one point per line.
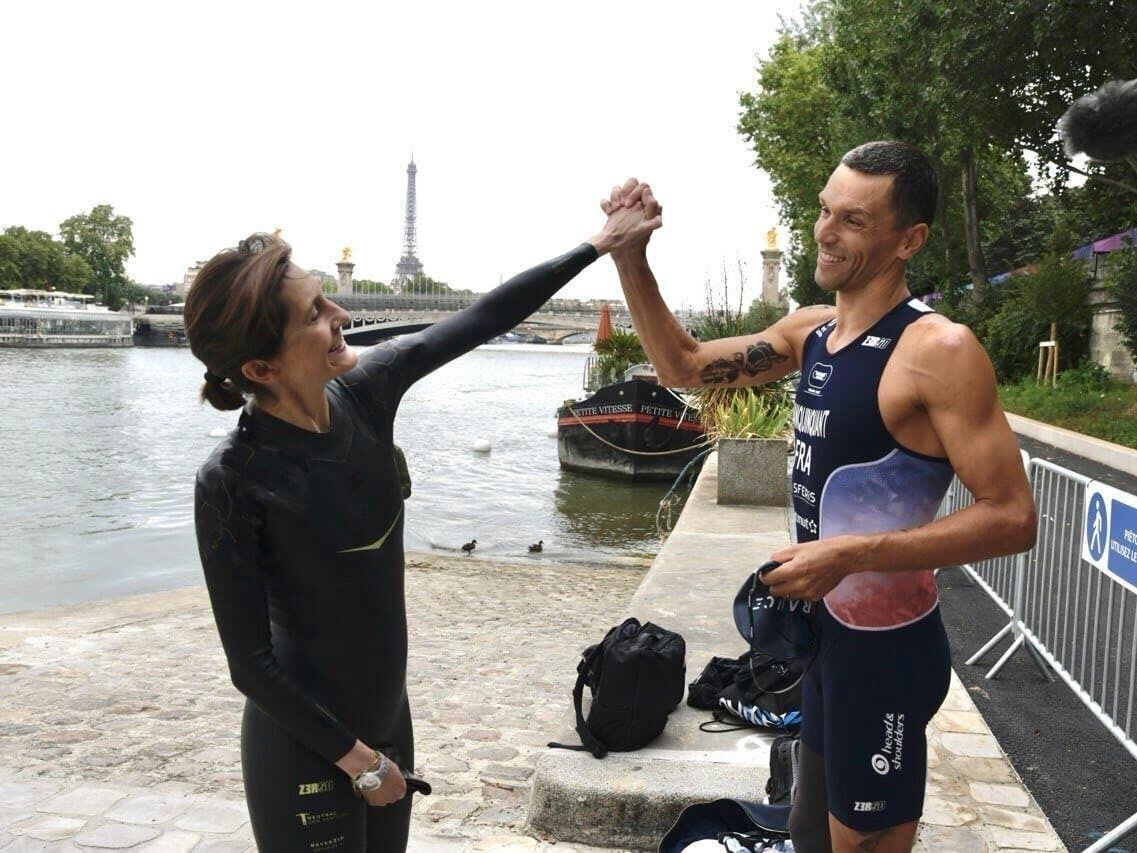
(369, 782)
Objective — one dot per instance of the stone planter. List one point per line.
(753, 472)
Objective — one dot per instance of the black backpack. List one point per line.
(636, 675)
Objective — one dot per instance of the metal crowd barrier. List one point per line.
(1068, 614)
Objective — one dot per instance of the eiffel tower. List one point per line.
(409, 265)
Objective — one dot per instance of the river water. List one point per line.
(98, 451)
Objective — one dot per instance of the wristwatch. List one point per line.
(372, 778)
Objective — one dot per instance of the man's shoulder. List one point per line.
(938, 337)
(810, 313)
(802, 321)
(944, 356)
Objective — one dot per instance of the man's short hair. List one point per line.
(915, 188)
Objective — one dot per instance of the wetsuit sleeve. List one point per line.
(227, 538)
(392, 368)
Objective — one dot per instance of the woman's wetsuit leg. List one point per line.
(388, 827)
(300, 803)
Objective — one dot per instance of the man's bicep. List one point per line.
(745, 360)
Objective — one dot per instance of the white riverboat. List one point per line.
(47, 318)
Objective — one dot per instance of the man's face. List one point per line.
(856, 232)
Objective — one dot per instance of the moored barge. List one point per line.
(635, 429)
(48, 318)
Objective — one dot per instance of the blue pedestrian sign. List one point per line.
(1109, 532)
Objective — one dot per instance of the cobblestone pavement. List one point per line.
(119, 726)
(974, 801)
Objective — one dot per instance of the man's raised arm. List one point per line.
(681, 361)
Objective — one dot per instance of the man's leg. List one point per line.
(809, 817)
(893, 839)
(891, 683)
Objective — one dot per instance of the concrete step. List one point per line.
(631, 799)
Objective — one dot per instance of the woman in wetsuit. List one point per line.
(299, 517)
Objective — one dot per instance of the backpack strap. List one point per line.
(587, 738)
(725, 725)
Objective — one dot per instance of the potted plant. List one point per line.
(618, 351)
(751, 427)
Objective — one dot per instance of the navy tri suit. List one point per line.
(884, 663)
(301, 540)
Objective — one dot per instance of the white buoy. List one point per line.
(218, 433)
(481, 446)
(553, 433)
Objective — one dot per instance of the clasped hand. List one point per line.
(633, 213)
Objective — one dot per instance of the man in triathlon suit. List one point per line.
(893, 398)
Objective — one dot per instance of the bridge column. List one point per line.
(771, 272)
(344, 283)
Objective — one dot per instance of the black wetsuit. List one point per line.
(301, 539)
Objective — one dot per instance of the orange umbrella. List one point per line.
(604, 330)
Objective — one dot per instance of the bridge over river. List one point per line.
(557, 321)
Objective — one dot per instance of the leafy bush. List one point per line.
(1121, 281)
(747, 412)
(1087, 375)
(1058, 291)
(1013, 317)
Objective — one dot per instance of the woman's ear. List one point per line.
(259, 372)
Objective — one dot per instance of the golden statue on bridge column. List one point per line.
(346, 254)
(772, 240)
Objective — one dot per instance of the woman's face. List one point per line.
(314, 350)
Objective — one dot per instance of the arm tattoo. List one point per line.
(758, 358)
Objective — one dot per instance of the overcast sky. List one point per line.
(205, 121)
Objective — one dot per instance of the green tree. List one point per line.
(1083, 214)
(159, 296)
(974, 85)
(1057, 291)
(761, 314)
(105, 241)
(976, 82)
(366, 285)
(426, 284)
(9, 262)
(1011, 318)
(1121, 281)
(797, 132)
(32, 259)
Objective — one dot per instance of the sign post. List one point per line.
(1109, 532)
